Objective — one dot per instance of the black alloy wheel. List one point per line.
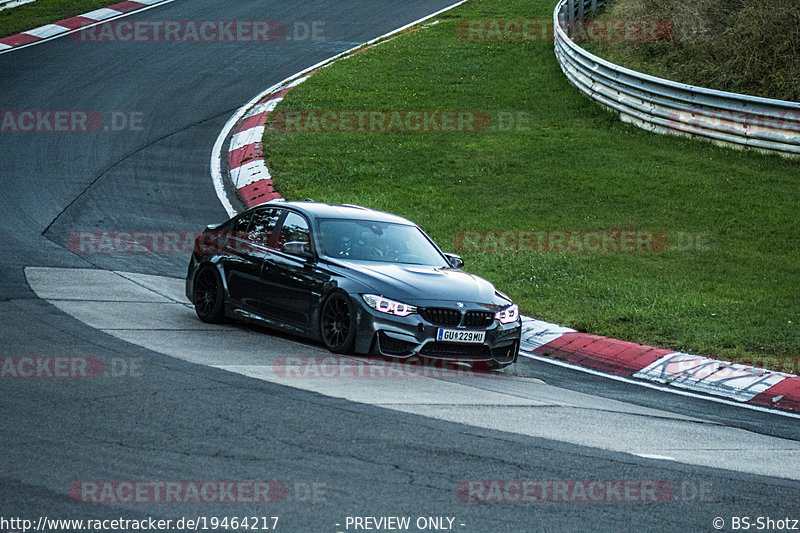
(208, 296)
(337, 323)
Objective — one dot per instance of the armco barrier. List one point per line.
(664, 106)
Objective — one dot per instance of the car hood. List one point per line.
(420, 284)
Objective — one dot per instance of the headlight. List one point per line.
(508, 315)
(385, 305)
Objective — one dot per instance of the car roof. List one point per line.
(345, 211)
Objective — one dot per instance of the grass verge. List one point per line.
(569, 165)
(28, 16)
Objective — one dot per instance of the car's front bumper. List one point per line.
(410, 336)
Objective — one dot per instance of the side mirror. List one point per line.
(298, 248)
(454, 260)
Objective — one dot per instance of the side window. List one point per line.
(240, 225)
(238, 228)
(294, 229)
(264, 221)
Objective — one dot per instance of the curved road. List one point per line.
(151, 417)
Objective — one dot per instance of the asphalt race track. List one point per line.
(181, 412)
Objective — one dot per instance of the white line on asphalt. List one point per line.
(82, 28)
(654, 456)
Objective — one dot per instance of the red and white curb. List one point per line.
(72, 24)
(741, 383)
(744, 385)
(246, 165)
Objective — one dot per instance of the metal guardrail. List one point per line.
(665, 106)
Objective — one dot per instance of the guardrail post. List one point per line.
(571, 14)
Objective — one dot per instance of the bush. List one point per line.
(733, 45)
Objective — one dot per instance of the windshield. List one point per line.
(366, 240)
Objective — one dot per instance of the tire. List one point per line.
(209, 297)
(337, 325)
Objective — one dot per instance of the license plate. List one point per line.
(457, 335)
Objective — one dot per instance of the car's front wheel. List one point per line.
(208, 296)
(337, 323)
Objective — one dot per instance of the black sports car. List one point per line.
(356, 279)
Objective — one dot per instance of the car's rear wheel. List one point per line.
(337, 323)
(209, 301)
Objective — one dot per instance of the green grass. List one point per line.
(732, 45)
(576, 167)
(35, 14)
